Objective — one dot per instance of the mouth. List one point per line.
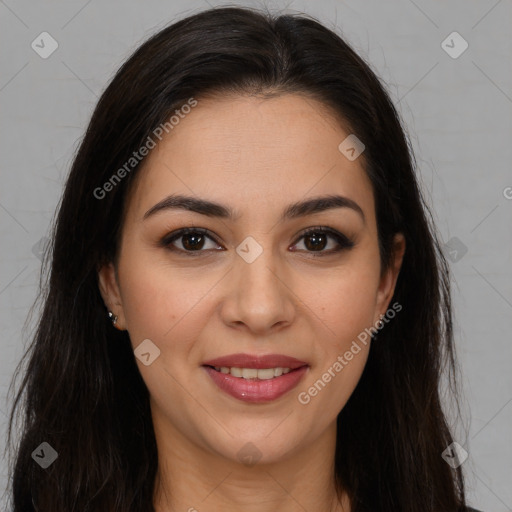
(256, 378)
(253, 373)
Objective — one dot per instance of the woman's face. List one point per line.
(253, 284)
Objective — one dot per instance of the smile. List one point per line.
(250, 387)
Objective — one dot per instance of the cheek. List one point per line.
(344, 302)
(344, 306)
(341, 349)
(158, 303)
(165, 306)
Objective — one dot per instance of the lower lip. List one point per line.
(256, 390)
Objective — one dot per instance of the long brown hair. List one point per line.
(82, 392)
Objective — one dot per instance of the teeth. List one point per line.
(249, 373)
(237, 372)
(263, 374)
(253, 373)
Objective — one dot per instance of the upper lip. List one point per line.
(256, 361)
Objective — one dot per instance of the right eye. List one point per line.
(192, 240)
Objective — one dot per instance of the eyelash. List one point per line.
(343, 241)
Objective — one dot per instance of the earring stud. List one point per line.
(112, 317)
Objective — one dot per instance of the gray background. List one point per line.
(457, 112)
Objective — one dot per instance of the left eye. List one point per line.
(316, 240)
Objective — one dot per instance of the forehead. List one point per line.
(252, 153)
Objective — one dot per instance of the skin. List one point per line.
(256, 156)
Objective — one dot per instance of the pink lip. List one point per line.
(255, 390)
(256, 361)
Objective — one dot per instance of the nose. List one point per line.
(259, 297)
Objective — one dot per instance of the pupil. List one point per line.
(318, 241)
(193, 245)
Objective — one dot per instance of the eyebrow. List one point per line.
(292, 211)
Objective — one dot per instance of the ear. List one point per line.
(109, 289)
(389, 278)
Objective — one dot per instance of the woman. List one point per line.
(247, 307)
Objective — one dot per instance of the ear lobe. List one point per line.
(109, 290)
(389, 278)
